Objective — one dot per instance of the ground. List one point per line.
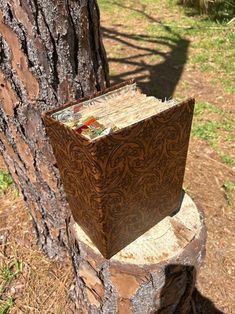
(172, 52)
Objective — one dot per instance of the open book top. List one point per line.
(112, 111)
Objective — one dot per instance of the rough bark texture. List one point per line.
(50, 52)
(154, 274)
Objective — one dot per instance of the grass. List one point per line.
(227, 159)
(228, 187)
(5, 181)
(7, 274)
(220, 127)
(210, 51)
(228, 86)
(208, 131)
(5, 306)
(210, 42)
(205, 107)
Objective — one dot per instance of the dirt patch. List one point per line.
(202, 87)
(204, 179)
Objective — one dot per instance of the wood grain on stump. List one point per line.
(154, 274)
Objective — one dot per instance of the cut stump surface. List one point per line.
(154, 274)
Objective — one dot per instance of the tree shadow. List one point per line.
(204, 305)
(158, 78)
(179, 285)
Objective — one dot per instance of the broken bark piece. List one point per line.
(154, 274)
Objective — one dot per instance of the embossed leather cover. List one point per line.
(121, 185)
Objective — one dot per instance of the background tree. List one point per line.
(50, 52)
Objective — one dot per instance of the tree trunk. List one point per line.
(50, 52)
(154, 274)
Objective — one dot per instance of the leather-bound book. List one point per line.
(121, 157)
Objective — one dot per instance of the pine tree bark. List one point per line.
(50, 52)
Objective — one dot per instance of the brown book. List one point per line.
(121, 156)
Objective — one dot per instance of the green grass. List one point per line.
(167, 32)
(212, 52)
(7, 274)
(208, 131)
(119, 12)
(5, 180)
(5, 306)
(228, 159)
(229, 86)
(205, 107)
(228, 187)
(211, 43)
(212, 131)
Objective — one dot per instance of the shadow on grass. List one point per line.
(158, 78)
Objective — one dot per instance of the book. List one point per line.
(121, 156)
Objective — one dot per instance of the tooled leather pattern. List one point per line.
(121, 185)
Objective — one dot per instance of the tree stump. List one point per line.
(154, 274)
